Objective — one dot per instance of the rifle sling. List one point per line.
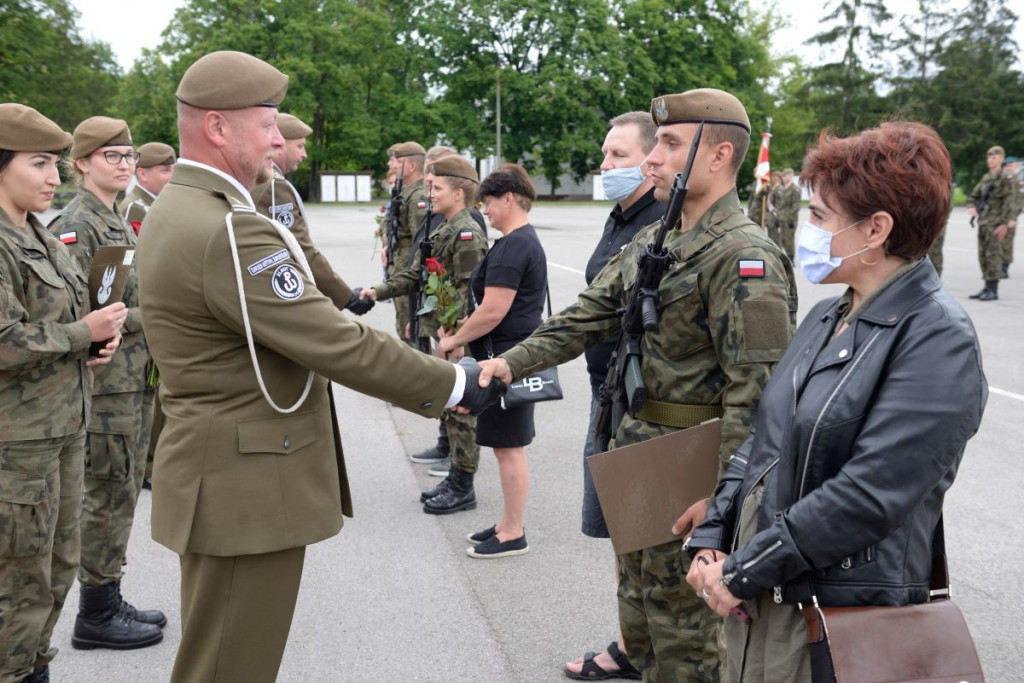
(678, 415)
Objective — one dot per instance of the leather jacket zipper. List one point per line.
(736, 531)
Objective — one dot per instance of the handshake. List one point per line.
(480, 392)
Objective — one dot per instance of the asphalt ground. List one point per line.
(394, 597)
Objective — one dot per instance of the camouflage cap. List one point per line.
(406, 149)
(704, 104)
(997, 150)
(99, 131)
(231, 80)
(23, 129)
(454, 167)
(292, 127)
(156, 154)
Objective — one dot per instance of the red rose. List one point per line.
(136, 225)
(434, 266)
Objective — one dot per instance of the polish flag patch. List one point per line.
(68, 237)
(751, 268)
(421, 205)
(466, 235)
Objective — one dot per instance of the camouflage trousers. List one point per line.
(990, 253)
(671, 635)
(40, 506)
(1008, 246)
(462, 440)
(401, 257)
(935, 252)
(115, 463)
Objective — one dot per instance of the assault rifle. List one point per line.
(982, 206)
(623, 389)
(394, 218)
(426, 252)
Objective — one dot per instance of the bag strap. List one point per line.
(489, 346)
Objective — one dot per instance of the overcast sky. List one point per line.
(139, 24)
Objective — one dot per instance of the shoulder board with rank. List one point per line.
(68, 237)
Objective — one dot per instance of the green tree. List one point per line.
(146, 100)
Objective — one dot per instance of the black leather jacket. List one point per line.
(857, 440)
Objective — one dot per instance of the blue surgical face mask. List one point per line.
(814, 249)
(619, 183)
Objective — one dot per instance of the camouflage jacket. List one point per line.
(720, 333)
(44, 345)
(410, 214)
(134, 207)
(459, 244)
(787, 204)
(1002, 200)
(86, 225)
(278, 200)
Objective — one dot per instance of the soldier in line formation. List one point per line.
(995, 205)
(775, 207)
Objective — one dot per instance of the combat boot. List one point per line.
(1005, 272)
(40, 675)
(101, 622)
(436, 491)
(146, 616)
(991, 292)
(983, 292)
(458, 497)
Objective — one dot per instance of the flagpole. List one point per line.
(763, 159)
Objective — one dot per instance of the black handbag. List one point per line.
(534, 388)
(928, 642)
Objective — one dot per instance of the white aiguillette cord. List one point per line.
(296, 252)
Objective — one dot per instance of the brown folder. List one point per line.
(107, 279)
(644, 487)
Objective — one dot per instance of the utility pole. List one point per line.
(497, 119)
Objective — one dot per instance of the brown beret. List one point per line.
(996, 150)
(693, 106)
(292, 128)
(454, 167)
(231, 80)
(99, 131)
(406, 149)
(23, 129)
(155, 154)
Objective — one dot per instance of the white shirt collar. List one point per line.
(244, 193)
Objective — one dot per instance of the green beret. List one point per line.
(1010, 160)
(155, 154)
(99, 131)
(231, 80)
(693, 106)
(454, 167)
(995, 150)
(406, 149)
(23, 129)
(292, 128)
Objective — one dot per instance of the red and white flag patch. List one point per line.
(751, 268)
(466, 235)
(421, 205)
(68, 237)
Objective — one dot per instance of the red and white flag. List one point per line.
(763, 172)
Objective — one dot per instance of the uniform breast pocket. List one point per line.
(279, 435)
(26, 513)
(42, 281)
(682, 319)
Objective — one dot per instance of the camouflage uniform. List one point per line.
(43, 406)
(413, 209)
(773, 224)
(459, 244)
(1018, 195)
(719, 337)
(122, 404)
(787, 204)
(1001, 207)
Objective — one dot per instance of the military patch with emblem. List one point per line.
(286, 218)
(272, 260)
(421, 205)
(287, 283)
(751, 268)
(660, 110)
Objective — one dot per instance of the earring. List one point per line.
(869, 263)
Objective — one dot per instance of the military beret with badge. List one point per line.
(23, 129)
(703, 104)
(229, 80)
(454, 167)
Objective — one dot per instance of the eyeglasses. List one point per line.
(114, 158)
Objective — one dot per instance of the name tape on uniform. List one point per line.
(751, 268)
(272, 260)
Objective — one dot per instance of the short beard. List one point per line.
(262, 174)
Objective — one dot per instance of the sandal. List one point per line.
(591, 671)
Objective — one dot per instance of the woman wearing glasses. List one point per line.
(103, 161)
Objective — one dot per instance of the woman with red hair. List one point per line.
(838, 490)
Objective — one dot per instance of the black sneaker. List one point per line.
(428, 457)
(481, 536)
(493, 548)
(440, 468)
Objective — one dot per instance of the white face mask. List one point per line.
(814, 249)
(619, 183)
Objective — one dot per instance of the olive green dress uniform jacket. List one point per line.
(135, 206)
(232, 475)
(719, 335)
(44, 345)
(459, 244)
(278, 199)
(95, 225)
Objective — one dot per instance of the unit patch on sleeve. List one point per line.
(284, 214)
(466, 235)
(287, 283)
(751, 268)
(68, 237)
(272, 260)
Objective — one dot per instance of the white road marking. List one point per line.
(571, 270)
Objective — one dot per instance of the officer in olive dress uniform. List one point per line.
(122, 403)
(406, 160)
(156, 162)
(993, 201)
(278, 199)
(249, 468)
(458, 245)
(727, 310)
(45, 391)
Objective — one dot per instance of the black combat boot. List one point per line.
(983, 292)
(458, 497)
(102, 623)
(991, 292)
(146, 616)
(436, 491)
(1005, 273)
(40, 675)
